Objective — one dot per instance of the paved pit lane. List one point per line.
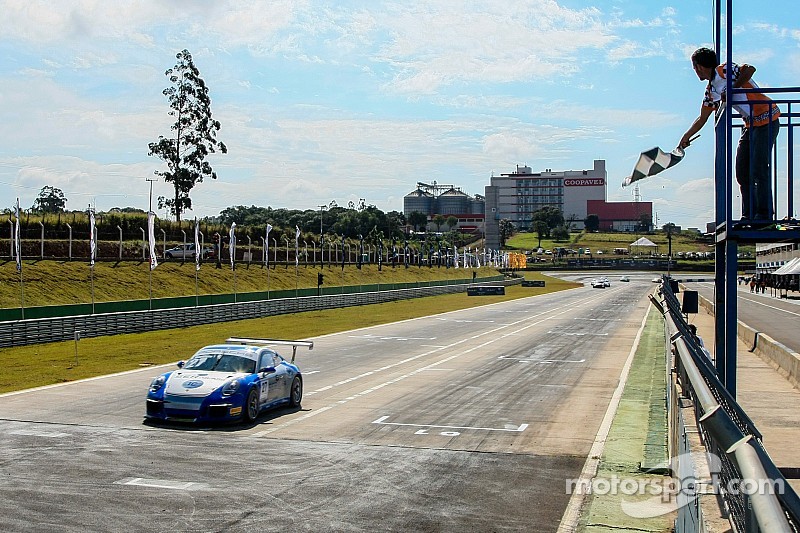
(471, 420)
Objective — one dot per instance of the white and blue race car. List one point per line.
(236, 380)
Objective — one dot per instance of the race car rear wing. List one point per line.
(293, 344)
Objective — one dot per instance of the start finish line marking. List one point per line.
(515, 429)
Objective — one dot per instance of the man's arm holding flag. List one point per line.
(697, 125)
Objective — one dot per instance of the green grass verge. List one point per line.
(72, 282)
(45, 364)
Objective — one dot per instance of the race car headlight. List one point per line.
(230, 387)
(157, 383)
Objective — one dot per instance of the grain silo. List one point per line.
(418, 200)
(453, 202)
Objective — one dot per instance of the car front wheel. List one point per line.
(296, 395)
(251, 409)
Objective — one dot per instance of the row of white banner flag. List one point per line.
(468, 258)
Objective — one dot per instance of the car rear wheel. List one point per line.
(251, 409)
(296, 394)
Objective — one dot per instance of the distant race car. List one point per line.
(624, 278)
(236, 380)
(598, 284)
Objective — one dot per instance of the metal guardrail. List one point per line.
(42, 330)
(730, 435)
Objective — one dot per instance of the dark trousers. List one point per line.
(753, 164)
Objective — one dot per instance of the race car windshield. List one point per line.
(221, 362)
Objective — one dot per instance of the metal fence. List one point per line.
(42, 330)
(729, 434)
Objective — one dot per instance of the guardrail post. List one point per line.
(77, 338)
(249, 253)
(42, 247)
(144, 256)
(164, 241)
(11, 237)
(120, 242)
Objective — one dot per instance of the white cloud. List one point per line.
(331, 101)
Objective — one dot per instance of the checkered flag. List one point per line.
(651, 162)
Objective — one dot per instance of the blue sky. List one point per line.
(344, 100)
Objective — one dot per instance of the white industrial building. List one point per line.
(517, 195)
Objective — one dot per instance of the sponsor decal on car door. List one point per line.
(264, 380)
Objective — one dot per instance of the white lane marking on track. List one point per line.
(160, 483)
(391, 338)
(381, 420)
(548, 361)
(465, 321)
(565, 309)
(35, 433)
(567, 334)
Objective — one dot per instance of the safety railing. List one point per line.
(728, 130)
(56, 329)
(755, 492)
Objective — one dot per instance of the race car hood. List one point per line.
(197, 383)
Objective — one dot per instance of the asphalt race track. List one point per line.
(472, 420)
(762, 312)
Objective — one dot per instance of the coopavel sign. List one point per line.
(583, 182)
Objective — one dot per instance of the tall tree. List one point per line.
(452, 222)
(50, 200)
(439, 220)
(506, 230)
(550, 215)
(541, 229)
(417, 219)
(194, 135)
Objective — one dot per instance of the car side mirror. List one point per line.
(267, 370)
(181, 363)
